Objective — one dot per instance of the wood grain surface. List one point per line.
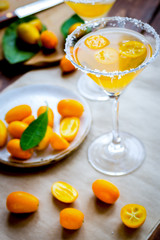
(148, 11)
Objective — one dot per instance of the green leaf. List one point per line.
(67, 24)
(35, 132)
(15, 51)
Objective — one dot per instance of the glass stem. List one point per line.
(115, 118)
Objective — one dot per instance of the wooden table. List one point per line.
(139, 115)
(146, 10)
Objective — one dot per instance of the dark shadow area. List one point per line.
(19, 219)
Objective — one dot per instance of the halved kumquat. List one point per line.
(96, 42)
(69, 128)
(107, 56)
(64, 192)
(58, 142)
(133, 215)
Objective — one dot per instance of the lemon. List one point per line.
(28, 33)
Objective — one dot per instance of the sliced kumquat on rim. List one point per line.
(133, 215)
(96, 42)
(64, 192)
(133, 49)
(107, 56)
(69, 128)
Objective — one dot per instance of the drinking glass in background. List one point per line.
(88, 10)
(122, 48)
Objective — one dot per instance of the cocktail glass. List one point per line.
(88, 10)
(115, 153)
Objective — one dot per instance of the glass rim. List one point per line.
(144, 26)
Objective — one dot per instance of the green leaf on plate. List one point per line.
(67, 24)
(35, 132)
(15, 51)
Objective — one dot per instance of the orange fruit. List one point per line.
(133, 49)
(37, 24)
(107, 56)
(64, 192)
(58, 142)
(16, 128)
(69, 128)
(74, 26)
(42, 109)
(133, 215)
(71, 218)
(3, 134)
(132, 54)
(49, 39)
(18, 113)
(66, 65)
(22, 202)
(29, 119)
(14, 148)
(46, 140)
(70, 108)
(96, 42)
(105, 191)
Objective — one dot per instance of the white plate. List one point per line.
(36, 96)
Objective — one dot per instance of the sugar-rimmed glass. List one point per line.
(115, 153)
(88, 10)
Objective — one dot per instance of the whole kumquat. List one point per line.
(46, 140)
(64, 192)
(105, 191)
(3, 134)
(74, 26)
(66, 65)
(18, 113)
(42, 109)
(29, 119)
(14, 148)
(22, 202)
(58, 142)
(16, 128)
(70, 108)
(71, 218)
(69, 128)
(49, 39)
(133, 215)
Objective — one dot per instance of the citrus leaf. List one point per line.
(35, 132)
(16, 51)
(67, 24)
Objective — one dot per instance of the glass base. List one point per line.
(90, 90)
(116, 161)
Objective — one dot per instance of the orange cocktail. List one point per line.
(91, 9)
(111, 51)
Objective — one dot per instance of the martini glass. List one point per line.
(88, 10)
(131, 46)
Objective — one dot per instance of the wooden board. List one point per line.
(53, 19)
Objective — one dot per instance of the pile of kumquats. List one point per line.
(20, 118)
